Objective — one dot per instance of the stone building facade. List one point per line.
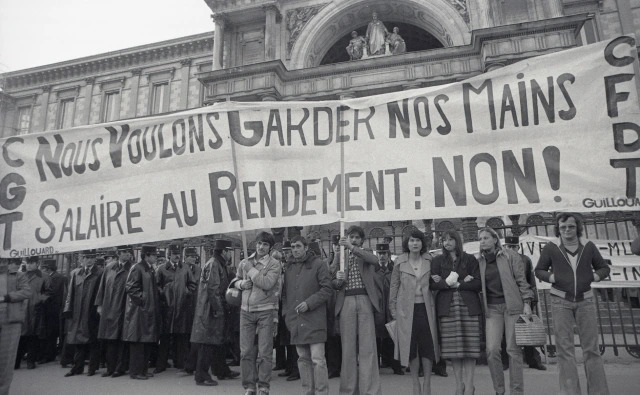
(295, 50)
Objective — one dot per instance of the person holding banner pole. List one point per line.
(571, 266)
(357, 298)
(506, 295)
(258, 276)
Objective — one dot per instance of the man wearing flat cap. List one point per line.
(208, 333)
(14, 290)
(141, 316)
(177, 288)
(82, 313)
(33, 327)
(55, 293)
(111, 302)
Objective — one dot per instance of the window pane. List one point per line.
(66, 114)
(24, 120)
(111, 113)
(159, 92)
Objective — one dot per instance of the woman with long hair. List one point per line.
(410, 304)
(506, 295)
(456, 275)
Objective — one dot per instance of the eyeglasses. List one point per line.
(567, 227)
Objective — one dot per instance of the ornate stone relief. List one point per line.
(297, 19)
(461, 7)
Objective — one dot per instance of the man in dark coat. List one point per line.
(307, 288)
(52, 307)
(209, 321)
(111, 302)
(141, 316)
(81, 310)
(14, 290)
(33, 326)
(177, 287)
(291, 371)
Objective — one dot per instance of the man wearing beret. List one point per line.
(80, 309)
(111, 302)
(141, 316)
(177, 288)
(14, 290)
(55, 293)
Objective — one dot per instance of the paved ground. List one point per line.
(623, 373)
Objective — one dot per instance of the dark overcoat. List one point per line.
(113, 299)
(141, 315)
(55, 293)
(80, 307)
(209, 318)
(307, 281)
(177, 287)
(34, 313)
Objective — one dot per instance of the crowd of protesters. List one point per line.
(325, 318)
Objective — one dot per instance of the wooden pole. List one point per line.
(239, 198)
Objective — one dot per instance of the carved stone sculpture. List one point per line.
(297, 19)
(376, 36)
(356, 46)
(396, 42)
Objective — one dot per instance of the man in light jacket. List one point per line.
(258, 276)
(307, 288)
(571, 266)
(14, 290)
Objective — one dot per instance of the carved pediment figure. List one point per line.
(376, 36)
(356, 46)
(396, 42)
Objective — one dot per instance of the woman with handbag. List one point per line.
(505, 295)
(411, 305)
(456, 276)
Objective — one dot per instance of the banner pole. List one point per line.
(342, 204)
(239, 197)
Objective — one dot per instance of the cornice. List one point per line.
(124, 60)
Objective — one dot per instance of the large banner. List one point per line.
(551, 133)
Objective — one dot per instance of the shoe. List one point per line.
(148, 374)
(138, 377)
(118, 374)
(279, 367)
(158, 370)
(538, 366)
(208, 383)
(294, 376)
(286, 373)
(229, 375)
(263, 391)
(70, 373)
(91, 373)
(31, 365)
(336, 374)
(398, 371)
(62, 365)
(106, 374)
(185, 373)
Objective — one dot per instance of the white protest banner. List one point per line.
(552, 133)
(625, 266)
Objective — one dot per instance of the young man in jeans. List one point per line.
(258, 276)
(571, 266)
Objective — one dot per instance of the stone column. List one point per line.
(270, 32)
(135, 86)
(470, 229)
(44, 108)
(626, 16)
(88, 96)
(555, 8)
(184, 82)
(218, 40)
(480, 13)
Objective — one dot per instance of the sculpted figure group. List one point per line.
(375, 41)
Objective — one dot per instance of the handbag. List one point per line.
(530, 331)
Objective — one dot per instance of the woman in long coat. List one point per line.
(411, 305)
